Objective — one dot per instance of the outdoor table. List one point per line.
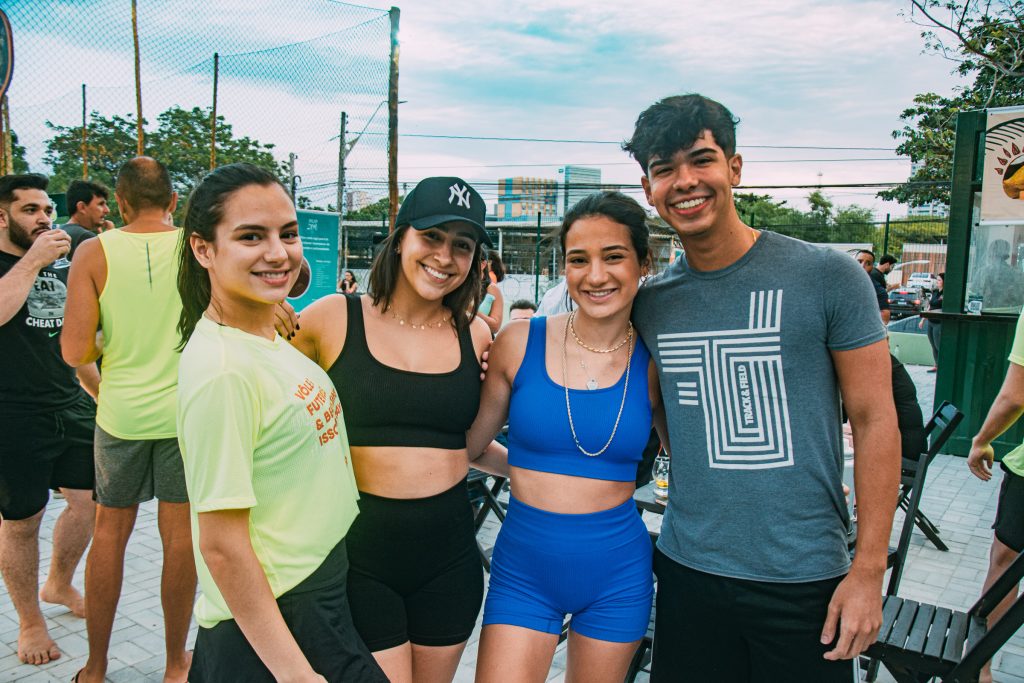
(646, 500)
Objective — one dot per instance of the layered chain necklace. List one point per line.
(628, 342)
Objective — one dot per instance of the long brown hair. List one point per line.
(387, 268)
(205, 209)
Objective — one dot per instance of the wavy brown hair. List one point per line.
(387, 268)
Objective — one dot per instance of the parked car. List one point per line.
(923, 281)
(905, 301)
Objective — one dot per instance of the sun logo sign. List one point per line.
(1002, 173)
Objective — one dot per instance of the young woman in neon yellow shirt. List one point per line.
(266, 456)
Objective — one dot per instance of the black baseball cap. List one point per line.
(441, 200)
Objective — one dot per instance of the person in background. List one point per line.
(934, 327)
(349, 285)
(881, 271)
(87, 206)
(492, 305)
(266, 456)
(1008, 535)
(46, 418)
(866, 258)
(522, 309)
(124, 283)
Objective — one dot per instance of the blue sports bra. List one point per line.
(539, 437)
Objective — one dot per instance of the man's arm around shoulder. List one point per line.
(865, 379)
(82, 310)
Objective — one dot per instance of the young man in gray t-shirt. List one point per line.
(756, 336)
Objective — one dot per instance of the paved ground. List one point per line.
(962, 506)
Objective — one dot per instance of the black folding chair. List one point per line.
(912, 477)
(919, 641)
(938, 430)
(483, 494)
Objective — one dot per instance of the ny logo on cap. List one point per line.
(460, 193)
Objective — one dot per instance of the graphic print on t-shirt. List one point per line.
(736, 378)
(323, 409)
(46, 301)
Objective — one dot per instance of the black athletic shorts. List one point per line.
(317, 614)
(44, 450)
(1009, 524)
(416, 574)
(716, 629)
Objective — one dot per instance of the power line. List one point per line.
(611, 142)
(485, 184)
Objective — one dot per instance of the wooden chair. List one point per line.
(919, 641)
(938, 430)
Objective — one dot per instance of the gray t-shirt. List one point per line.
(753, 407)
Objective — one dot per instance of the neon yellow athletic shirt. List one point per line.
(260, 428)
(1014, 460)
(139, 309)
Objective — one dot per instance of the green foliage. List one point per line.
(823, 223)
(181, 141)
(371, 212)
(18, 155)
(986, 42)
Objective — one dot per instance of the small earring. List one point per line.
(398, 250)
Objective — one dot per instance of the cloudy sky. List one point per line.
(825, 74)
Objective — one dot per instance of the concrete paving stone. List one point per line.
(128, 652)
(1012, 663)
(154, 666)
(125, 630)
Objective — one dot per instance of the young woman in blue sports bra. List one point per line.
(579, 391)
(405, 361)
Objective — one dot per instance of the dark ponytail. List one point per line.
(203, 212)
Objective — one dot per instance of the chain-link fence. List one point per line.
(278, 74)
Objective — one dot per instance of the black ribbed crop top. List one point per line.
(385, 406)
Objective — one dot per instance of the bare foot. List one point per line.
(177, 672)
(35, 646)
(985, 675)
(67, 596)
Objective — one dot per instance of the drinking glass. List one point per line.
(660, 472)
(62, 261)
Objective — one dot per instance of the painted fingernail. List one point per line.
(298, 326)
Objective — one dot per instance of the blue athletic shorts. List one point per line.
(596, 567)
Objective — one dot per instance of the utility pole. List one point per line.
(342, 152)
(291, 174)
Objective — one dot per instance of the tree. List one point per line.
(181, 141)
(18, 155)
(985, 39)
(371, 212)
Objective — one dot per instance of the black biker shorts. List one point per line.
(415, 572)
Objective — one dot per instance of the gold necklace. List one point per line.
(420, 326)
(565, 385)
(572, 330)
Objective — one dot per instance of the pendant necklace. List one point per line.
(565, 386)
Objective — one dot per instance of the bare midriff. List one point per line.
(567, 494)
(403, 472)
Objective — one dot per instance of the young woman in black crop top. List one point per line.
(405, 361)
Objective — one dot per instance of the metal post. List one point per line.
(4, 136)
(85, 140)
(501, 244)
(140, 139)
(291, 175)
(536, 267)
(885, 239)
(394, 13)
(213, 113)
(342, 152)
(8, 141)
